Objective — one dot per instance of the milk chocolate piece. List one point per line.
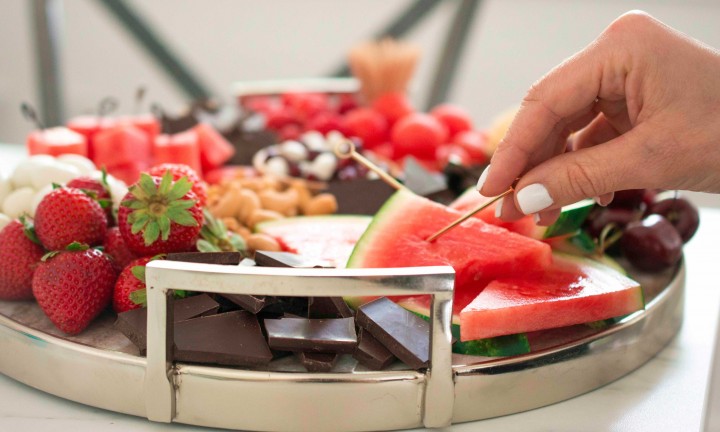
(360, 196)
(403, 333)
(287, 259)
(371, 353)
(328, 307)
(222, 258)
(312, 335)
(232, 338)
(317, 362)
(133, 323)
(251, 303)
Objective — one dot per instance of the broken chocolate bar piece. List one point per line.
(317, 362)
(133, 323)
(312, 335)
(328, 307)
(287, 259)
(360, 196)
(222, 258)
(232, 338)
(403, 333)
(251, 303)
(371, 353)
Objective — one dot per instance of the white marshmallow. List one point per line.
(293, 151)
(277, 166)
(21, 175)
(324, 165)
(53, 172)
(4, 220)
(83, 164)
(18, 202)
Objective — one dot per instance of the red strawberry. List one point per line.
(19, 256)
(180, 170)
(73, 286)
(159, 215)
(131, 279)
(98, 189)
(116, 248)
(68, 215)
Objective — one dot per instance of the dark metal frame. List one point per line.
(47, 16)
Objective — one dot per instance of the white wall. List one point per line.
(513, 43)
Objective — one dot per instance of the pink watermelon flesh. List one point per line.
(330, 238)
(182, 148)
(479, 252)
(573, 291)
(471, 199)
(215, 150)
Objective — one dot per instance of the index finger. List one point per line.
(566, 92)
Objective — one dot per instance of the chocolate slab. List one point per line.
(317, 362)
(312, 335)
(287, 305)
(133, 323)
(371, 353)
(328, 307)
(403, 333)
(360, 196)
(287, 259)
(222, 258)
(232, 339)
(250, 303)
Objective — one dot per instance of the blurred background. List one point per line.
(509, 45)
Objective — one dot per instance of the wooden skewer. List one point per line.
(350, 152)
(468, 215)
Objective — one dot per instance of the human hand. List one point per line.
(645, 102)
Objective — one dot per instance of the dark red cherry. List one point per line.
(681, 213)
(652, 244)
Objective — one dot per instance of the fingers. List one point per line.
(589, 172)
(568, 92)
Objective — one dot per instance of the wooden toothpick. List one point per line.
(468, 215)
(346, 150)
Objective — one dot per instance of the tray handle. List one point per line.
(164, 276)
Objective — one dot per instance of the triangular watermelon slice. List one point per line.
(478, 252)
(573, 290)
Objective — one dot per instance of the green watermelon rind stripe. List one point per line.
(379, 219)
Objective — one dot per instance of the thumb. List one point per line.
(570, 177)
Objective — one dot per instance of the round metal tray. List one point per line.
(102, 369)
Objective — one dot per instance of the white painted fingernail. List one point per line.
(481, 180)
(498, 208)
(533, 198)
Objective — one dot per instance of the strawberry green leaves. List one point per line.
(157, 206)
(217, 238)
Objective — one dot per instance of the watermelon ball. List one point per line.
(454, 118)
(452, 153)
(325, 122)
(475, 144)
(305, 105)
(368, 125)
(346, 102)
(418, 135)
(278, 117)
(290, 131)
(393, 105)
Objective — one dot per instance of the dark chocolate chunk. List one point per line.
(287, 259)
(133, 323)
(232, 338)
(251, 303)
(360, 196)
(222, 258)
(420, 180)
(328, 307)
(247, 143)
(372, 353)
(403, 333)
(283, 305)
(317, 362)
(312, 335)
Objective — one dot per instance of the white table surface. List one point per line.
(666, 394)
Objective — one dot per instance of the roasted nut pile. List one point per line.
(242, 203)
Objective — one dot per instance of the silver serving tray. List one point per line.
(102, 369)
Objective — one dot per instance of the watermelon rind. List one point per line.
(502, 346)
(570, 220)
(392, 204)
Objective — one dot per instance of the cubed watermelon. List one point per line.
(122, 144)
(180, 148)
(56, 141)
(215, 150)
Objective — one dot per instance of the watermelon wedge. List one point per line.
(330, 238)
(478, 252)
(573, 290)
(491, 347)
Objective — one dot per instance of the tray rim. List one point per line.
(471, 371)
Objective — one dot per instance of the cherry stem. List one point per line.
(139, 97)
(106, 106)
(609, 235)
(159, 113)
(31, 115)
